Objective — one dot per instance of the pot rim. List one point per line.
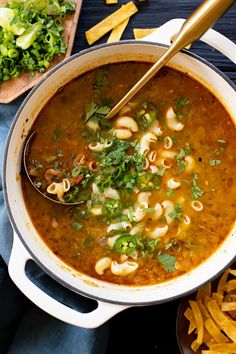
(5, 194)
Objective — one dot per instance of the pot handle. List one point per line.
(165, 33)
(93, 319)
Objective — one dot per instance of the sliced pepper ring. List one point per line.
(148, 182)
(125, 244)
(146, 113)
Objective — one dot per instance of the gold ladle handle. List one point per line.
(194, 27)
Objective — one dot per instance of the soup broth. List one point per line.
(157, 182)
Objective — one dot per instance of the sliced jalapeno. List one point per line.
(112, 208)
(148, 182)
(146, 113)
(125, 244)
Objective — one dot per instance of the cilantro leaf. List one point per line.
(101, 81)
(177, 212)
(90, 109)
(97, 113)
(215, 162)
(181, 102)
(196, 191)
(76, 225)
(167, 261)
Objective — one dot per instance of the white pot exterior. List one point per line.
(76, 65)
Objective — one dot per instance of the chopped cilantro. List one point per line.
(161, 171)
(59, 153)
(90, 109)
(181, 166)
(167, 261)
(76, 225)
(97, 114)
(181, 102)
(187, 149)
(169, 192)
(183, 152)
(196, 191)
(101, 81)
(177, 212)
(148, 210)
(38, 184)
(219, 150)
(116, 163)
(57, 134)
(180, 116)
(147, 247)
(215, 162)
(38, 164)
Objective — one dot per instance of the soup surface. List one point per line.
(157, 182)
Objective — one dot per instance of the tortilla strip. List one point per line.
(212, 352)
(210, 325)
(204, 291)
(230, 285)
(224, 347)
(223, 322)
(139, 33)
(228, 306)
(118, 31)
(222, 281)
(110, 22)
(218, 298)
(233, 272)
(215, 332)
(195, 345)
(111, 2)
(198, 319)
(190, 317)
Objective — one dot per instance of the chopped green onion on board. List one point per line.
(31, 35)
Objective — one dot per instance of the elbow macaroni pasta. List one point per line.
(98, 147)
(145, 142)
(102, 264)
(123, 269)
(172, 121)
(59, 188)
(158, 232)
(122, 134)
(127, 123)
(168, 207)
(155, 128)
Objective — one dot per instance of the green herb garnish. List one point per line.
(215, 162)
(167, 261)
(101, 81)
(57, 134)
(181, 102)
(31, 35)
(196, 191)
(177, 212)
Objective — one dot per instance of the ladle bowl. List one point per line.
(28, 141)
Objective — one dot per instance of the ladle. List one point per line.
(25, 154)
(193, 28)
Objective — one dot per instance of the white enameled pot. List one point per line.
(111, 298)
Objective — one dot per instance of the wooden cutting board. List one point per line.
(11, 89)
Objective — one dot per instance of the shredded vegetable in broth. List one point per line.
(157, 182)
